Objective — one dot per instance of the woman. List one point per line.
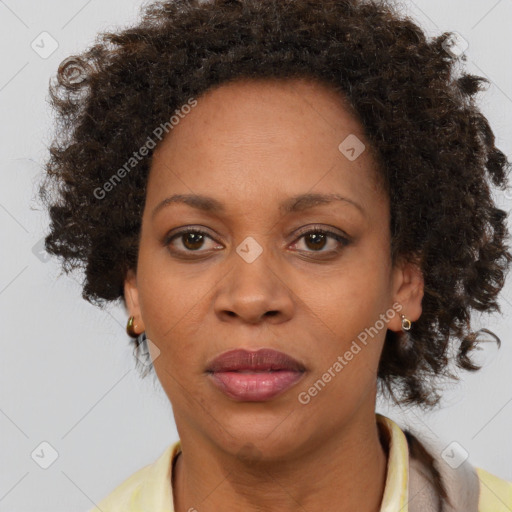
(292, 199)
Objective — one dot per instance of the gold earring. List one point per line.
(406, 323)
(130, 329)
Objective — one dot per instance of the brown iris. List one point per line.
(317, 238)
(195, 239)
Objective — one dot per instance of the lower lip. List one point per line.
(255, 387)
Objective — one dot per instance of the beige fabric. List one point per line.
(462, 484)
(407, 488)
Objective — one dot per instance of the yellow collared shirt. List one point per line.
(149, 489)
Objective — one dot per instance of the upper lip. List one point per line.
(262, 359)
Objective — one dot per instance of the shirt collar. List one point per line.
(155, 494)
(396, 490)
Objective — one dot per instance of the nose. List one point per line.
(255, 291)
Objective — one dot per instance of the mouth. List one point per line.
(254, 376)
(263, 360)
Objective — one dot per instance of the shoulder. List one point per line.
(467, 487)
(123, 495)
(145, 488)
(495, 492)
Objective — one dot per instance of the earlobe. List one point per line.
(131, 300)
(408, 292)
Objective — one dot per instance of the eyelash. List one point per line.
(344, 241)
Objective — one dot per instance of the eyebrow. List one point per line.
(293, 204)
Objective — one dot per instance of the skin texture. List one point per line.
(252, 145)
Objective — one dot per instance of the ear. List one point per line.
(408, 290)
(131, 300)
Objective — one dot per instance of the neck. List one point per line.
(345, 473)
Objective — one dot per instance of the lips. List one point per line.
(240, 360)
(254, 376)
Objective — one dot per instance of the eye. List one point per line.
(317, 239)
(191, 240)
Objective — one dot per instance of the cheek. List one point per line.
(168, 293)
(351, 299)
(170, 306)
(346, 350)
(348, 314)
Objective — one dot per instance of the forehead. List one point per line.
(272, 103)
(286, 132)
(299, 94)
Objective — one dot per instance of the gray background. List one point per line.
(67, 376)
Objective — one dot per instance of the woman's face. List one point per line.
(256, 279)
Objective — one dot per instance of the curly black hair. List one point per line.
(436, 151)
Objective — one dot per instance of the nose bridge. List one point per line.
(253, 288)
